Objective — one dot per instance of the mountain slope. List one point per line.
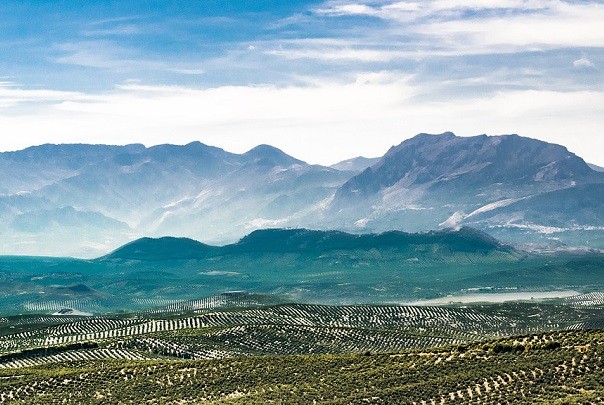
(195, 190)
(596, 168)
(85, 200)
(166, 248)
(581, 205)
(445, 180)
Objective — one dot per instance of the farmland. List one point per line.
(236, 324)
(244, 348)
(537, 368)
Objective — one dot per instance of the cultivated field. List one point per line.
(539, 368)
(243, 348)
(236, 324)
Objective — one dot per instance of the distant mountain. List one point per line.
(37, 166)
(92, 198)
(86, 200)
(357, 164)
(445, 180)
(270, 156)
(437, 162)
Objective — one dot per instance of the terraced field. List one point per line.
(540, 368)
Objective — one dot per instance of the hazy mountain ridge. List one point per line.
(93, 198)
(164, 189)
(443, 180)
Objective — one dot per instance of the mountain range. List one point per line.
(85, 200)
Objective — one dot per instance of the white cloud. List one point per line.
(583, 62)
(494, 26)
(11, 94)
(344, 53)
(321, 123)
(562, 26)
(350, 9)
(110, 56)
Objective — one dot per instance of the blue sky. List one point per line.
(323, 80)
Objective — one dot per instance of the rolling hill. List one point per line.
(300, 265)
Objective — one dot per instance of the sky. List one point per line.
(322, 80)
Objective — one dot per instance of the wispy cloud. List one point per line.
(345, 53)
(471, 27)
(563, 25)
(11, 94)
(375, 109)
(441, 9)
(110, 56)
(98, 54)
(583, 63)
(127, 29)
(187, 71)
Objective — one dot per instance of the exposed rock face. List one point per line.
(474, 162)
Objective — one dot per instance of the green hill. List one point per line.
(166, 248)
(310, 241)
(305, 241)
(295, 265)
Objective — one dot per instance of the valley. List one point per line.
(295, 265)
(307, 292)
(177, 320)
(302, 202)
